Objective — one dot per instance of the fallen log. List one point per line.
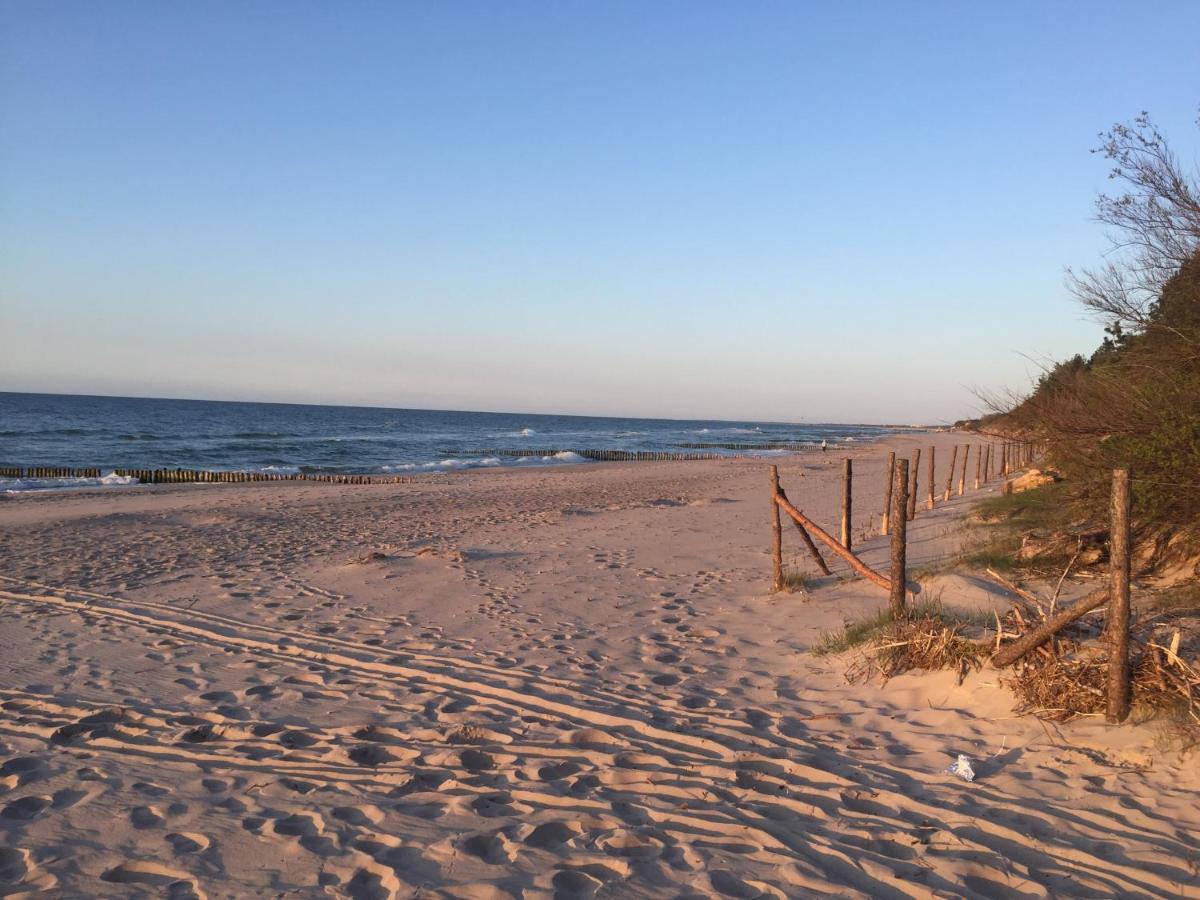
(1038, 636)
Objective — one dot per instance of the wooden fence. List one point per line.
(1000, 460)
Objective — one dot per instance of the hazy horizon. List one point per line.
(690, 211)
(499, 412)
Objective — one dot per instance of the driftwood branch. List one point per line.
(1038, 636)
(1034, 604)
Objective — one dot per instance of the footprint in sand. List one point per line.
(21, 770)
(495, 849)
(188, 842)
(21, 876)
(572, 884)
(26, 809)
(174, 885)
(553, 834)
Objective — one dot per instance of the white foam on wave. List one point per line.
(29, 485)
(445, 465)
(565, 456)
(486, 462)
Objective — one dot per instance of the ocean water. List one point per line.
(124, 432)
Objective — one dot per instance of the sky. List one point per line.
(855, 212)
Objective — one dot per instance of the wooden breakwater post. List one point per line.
(889, 472)
(950, 475)
(912, 485)
(776, 534)
(847, 499)
(899, 573)
(930, 487)
(962, 479)
(1117, 626)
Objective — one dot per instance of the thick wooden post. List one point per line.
(899, 573)
(912, 485)
(978, 467)
(962, 479)
(950, 476)
(888, 474)
(847, 495)
(1118, 601)
(930, 487)
(776, 534)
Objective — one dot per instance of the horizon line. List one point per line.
(491, 412)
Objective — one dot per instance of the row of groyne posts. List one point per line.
(194, 476)
(202, 476)
(48, 472)
(993, 459)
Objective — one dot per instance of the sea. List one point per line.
(59, 430)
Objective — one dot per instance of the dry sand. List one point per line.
(566, 682)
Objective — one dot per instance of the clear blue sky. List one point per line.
(822, 211)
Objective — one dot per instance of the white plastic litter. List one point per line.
(962, 768)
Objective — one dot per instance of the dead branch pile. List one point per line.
(926, 643)
(1073, 682)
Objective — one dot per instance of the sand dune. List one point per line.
(522, 684)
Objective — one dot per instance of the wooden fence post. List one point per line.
(912, 485)
(899, 574)
(930, 486)
(962, 479)
(950, 477)
(847, 495)
(1118, 600)
(978, 466)
(888, 474)
(776, 534)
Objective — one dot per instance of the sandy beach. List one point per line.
(566, 682)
